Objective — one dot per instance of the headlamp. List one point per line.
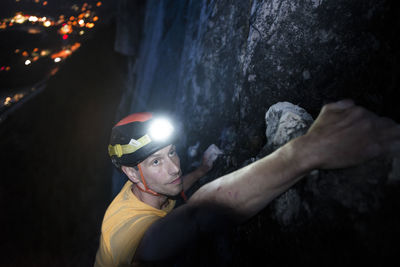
(160, 129)
(146, 135)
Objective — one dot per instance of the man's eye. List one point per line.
(172, 153)
(156, 162)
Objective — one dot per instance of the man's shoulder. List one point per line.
(124, 209)
(127, 214)
(123, 227)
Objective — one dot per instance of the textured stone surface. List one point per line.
(220, 65)
(284, 122)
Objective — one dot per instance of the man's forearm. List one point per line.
(249, 189)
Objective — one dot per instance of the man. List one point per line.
(135, 227)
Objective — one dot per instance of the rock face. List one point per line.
(220, 65)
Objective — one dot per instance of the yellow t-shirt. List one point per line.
(124, 224)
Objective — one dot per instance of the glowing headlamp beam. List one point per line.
(160, 129)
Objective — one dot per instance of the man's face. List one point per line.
(162, 171)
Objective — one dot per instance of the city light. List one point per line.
(18, 18)
(17, 97)
(44, 53)
(54, 71)
(66, 52)
(33, 18)
(7, 102)
(34, 31)
(66, 29)
(70, 27)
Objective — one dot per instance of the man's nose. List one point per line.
(174, 167)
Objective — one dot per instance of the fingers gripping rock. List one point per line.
(211, 154)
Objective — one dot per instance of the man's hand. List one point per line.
(345, 134)
(209, 156)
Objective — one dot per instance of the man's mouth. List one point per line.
(177, 180)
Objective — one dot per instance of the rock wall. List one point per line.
(219, 65)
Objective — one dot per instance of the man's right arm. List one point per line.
(343, 135)
(226, 201)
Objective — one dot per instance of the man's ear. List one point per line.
(132, 174)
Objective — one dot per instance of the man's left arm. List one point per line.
(209, 156)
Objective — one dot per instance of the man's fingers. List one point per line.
(386, 122)
(344, 104)
(340, 105)
(387, 129)
(213, 151)
(388, 135)
(211, 154)
(354, 115)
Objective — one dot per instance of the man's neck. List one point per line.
(157, 202)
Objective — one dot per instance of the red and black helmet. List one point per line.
(137, 136)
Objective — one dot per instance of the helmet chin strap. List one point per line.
(146, 189)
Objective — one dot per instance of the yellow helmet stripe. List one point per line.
(119, 150)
